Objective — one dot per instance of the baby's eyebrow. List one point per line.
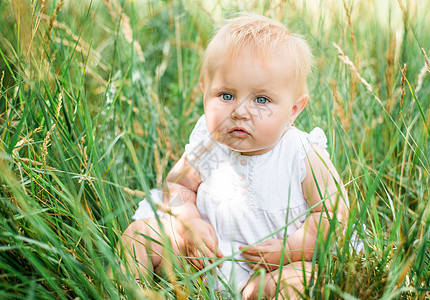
(261, 90)
(224, 88)
(268, 92)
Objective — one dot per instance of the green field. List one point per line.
(98, 98)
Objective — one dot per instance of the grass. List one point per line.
(97, 99)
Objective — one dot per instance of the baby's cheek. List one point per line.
(214, 127)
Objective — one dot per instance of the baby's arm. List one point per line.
(322, 181)
(301, 244)
(199, 236)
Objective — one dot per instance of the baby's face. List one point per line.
(249, 104)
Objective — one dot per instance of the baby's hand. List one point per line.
(265, 255)
(200, 241)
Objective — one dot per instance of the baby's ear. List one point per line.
(298, 107)
(202, 86)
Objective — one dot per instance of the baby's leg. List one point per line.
(143, 241)
(292, 279)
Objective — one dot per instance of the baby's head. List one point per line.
(253, 78)
(265, 38)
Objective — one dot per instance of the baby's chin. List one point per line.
(251, 151)
(242, 146)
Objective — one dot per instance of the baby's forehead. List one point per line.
(253, 55)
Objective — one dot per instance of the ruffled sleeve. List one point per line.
(315, 137)
(199, 140)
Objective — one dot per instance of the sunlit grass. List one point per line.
(97, 100)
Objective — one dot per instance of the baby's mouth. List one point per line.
(239, 132)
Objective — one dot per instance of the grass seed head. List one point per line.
(1, 80)
(47, 143)
(402, 85)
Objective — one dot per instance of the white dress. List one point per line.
(248, 199)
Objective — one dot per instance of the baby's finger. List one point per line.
(204, 254)
(213, 247)
(255, 266)
(215, 254)
(196, 260)
(211, 244)
(211, 257)
(210, 254)
(250, 257)
(251, 250)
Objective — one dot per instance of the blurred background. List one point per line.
(98, 98)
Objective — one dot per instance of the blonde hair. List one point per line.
(266, 38)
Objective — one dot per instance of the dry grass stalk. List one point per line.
(47, 143)
(21, 11)
(426, 59)
(81, 46)
(128, 34)
(33, 34)
(402, 85)
(421, 76)
(352, 36)
(26, 140)
(84, 162)
(353, 87)
(389, 72)
(83, 152)
(164, 139)
(95, 58)
(137, 193)
(158, 168)
(21, 143)
(51, 21)
(115, 10)
(339, 107)
(161, 68)
(1, 80)
(59, 105)
(108, 5)
(31, 162)
(349, 63)
(38, 129)
(423, 72)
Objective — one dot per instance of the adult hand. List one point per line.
(266, 255)
(200, 241)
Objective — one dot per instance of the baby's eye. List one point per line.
(226, 97)
(261, 100)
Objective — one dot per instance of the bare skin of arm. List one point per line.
(321, 182)
(189, 234)
(199, 236)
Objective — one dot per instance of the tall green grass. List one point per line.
(97, 99)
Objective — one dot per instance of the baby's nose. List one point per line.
(240, 111)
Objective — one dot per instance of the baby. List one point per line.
(250, 187)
